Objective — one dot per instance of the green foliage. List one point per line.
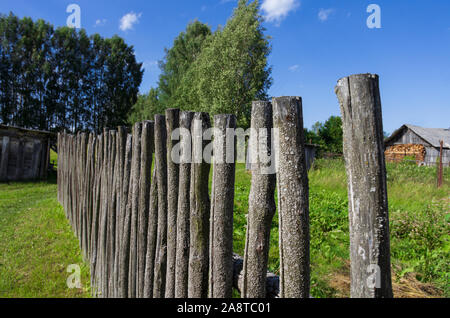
(232, 69)
(147, 106)
(328, 135)
(175, 83)
(220, 72)
(423, 239)
(54, 79)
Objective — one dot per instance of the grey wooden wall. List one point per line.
(23, 156)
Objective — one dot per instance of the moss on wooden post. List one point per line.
(200, 211)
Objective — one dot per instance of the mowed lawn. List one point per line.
(37, 244)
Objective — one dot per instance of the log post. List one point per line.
(261, 203)
(183, 239)
(120, 181)
(112, 197)
(200, 211)
(134, 189)
(222, 206)
(152, 232)
(95, 256)
(144, 200)
(124, 256)
(172, 124)
(293, 204)
(359, 99)
(159, 280)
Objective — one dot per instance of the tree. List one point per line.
(220, 72)
(232, 70)
(332, 135)
(63, 79)
(147, 106)
(174, 84)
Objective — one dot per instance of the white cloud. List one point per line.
(100, 22)
(294, 68)
(129, 20)
(324, 14)
(277, 10)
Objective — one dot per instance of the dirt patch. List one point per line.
(403, 287)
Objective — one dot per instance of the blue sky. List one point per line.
(315, 42)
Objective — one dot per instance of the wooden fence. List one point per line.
(156, 232)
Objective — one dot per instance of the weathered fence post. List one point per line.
(144, 199)
(134, 189)
(112, 197)
(360, 103)
(159, 279)
(222, 206)
(95, 255)
(152, 232)
(293, 201)
(172, 124)
(200, 211)
(124, 256)
(120, 181)
(261, 203)
(182, 256)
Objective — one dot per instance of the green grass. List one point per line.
(36, 244)
(419, 243)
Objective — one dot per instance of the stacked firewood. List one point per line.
(397, 153)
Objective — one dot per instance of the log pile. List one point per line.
(397, 153)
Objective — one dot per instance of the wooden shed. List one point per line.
(24, 154)
(421, 143)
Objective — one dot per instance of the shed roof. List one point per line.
(26, 131)
(431, 135)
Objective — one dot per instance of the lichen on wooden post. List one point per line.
(200, 211)
(222, 206)
(183, 218)
(293, 197)
(359, 99)
(261, 202)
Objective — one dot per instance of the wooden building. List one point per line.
(421, 143)
(24, 154)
